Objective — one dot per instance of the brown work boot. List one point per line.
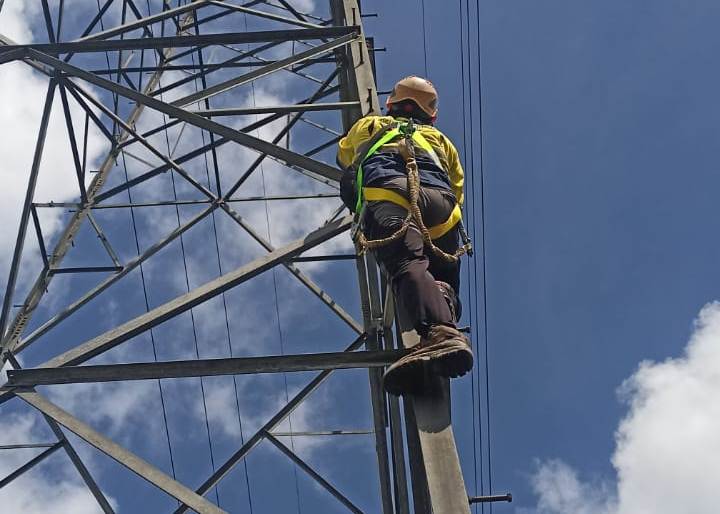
(445, 351)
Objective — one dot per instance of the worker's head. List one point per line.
(414, 97)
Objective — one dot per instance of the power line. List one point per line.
(187, 285)
(484, 261)
(219, 261)
(474, 289)
(144, 289)
(471, 212)
(475, 408)
(192, 322)
(425, 53)
(275, 289)
(152, 335)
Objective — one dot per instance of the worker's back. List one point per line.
(387, 163)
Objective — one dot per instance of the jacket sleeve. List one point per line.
(455, 170)
(360, 132)
(347, 152)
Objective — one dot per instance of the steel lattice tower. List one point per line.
(162, 87)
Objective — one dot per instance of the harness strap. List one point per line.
(374, 193)
(386, 138)
(425, 145)
(437, 231)
(407, 151)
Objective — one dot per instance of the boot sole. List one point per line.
(449, 360)
(404, 377)
(452, 363)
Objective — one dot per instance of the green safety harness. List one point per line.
(411, 136)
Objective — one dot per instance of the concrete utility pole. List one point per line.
(127, 62)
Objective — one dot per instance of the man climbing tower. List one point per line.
(404, 182)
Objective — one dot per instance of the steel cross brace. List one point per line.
(141, 23)
(223, 204)
(59, 251)
(294, 270)
(173, 235)
(182, 303)
(264, 70)
(30, 464)
(265, 14)
(72, 454)
(313, 474)
(273, 422)
(254, 143)
(8, 340)
(128, 459)
(27, 205)
(194, 153)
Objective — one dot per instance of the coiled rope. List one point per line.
(362, 244)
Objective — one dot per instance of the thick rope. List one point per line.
(362, 244)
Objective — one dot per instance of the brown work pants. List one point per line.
(412, 266)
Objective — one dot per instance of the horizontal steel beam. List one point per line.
(202, 368)
(120, 454)
(185, 302)
(321, 433)
(71, 206)
(85, 269)
(325, 258)
(24, 446)
(234, 82)
(265, 14)
(143, 22)
(328, 106)
(229, 38)
(197, 66)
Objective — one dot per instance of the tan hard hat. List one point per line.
(418, 89)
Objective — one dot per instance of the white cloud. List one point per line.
(37, 491)
(115, 405)
(666, 446)
(23, 91)
(221, 408)
(13, 18)
(306, 6)
(562, 492)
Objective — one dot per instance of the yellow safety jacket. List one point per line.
(357, 146)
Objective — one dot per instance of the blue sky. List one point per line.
(599, 132)
(600, 126)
